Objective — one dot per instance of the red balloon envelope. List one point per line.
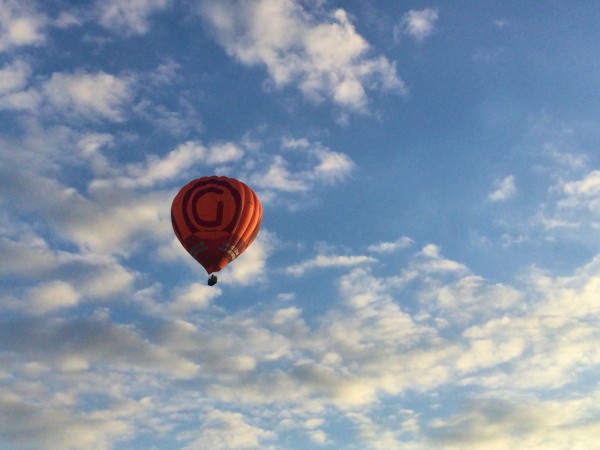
(216, 219)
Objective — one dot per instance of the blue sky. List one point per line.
(428, 270)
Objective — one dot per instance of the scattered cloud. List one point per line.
(584, 192)
(505, 189)
(324, 166)
(73, 95)
(432, 261)
(501, 23)
(320, 53)
(67, 19)
(229, 430)
(277, 177)
(174, 165)
(417, 24)
(390, 247)
(251, 266)
(51, 296)
(20, 25)
(26, 424)
(575, 204)
(13, 77)
(89, 94)
(499, 424)
(325, 261)
(130, 17)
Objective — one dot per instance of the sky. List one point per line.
(427, 275)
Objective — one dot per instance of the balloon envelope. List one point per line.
(216, 219)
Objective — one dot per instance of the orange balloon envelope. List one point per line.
(216, 219)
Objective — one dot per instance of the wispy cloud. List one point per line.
(575, 204)
(431, 260)
(14, 76)
(39, 430)
(130, 17)
(325, 261)
(88, 94)
(389, 247)
(325, 166)
(78, 95)
(20, 25)
(584, 192)
(417, 24)
(174, 165)
(505, 189)
(228, 430)
(503, 423)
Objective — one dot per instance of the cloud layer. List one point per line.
(367, 347)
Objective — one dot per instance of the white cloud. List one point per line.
(131, 17)
(29, 256)
(20, 25)
(157, 169)
(417, 24)
(389, 247)
(229, 430)
(501, 23)
(95, 95)
(104, 223)
(14, 76)
(52, 296)
(165, 73)
(577, 206)
(72, 276)
(320, 53)
(505, 189)
(67, 19)
(432, 261)
(583, 192)
(277, 177)
(175, 165)
(28, 100)
(194, 297)
(462, 300)
(499, 424)
(553, 336)
(332, 166)
(319, 437)
(90, 146)
(250, 266)
(180, 306)
(25, 424)
(325, 261)
(224, 153)
(96, 340)
(324, 167)
(107, 281)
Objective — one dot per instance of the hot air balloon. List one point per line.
(215, 219)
